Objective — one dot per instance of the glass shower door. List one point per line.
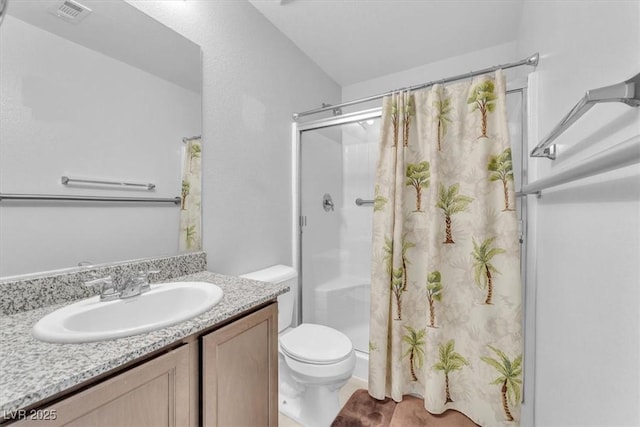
(337, 167)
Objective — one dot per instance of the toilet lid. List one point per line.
(316, 344)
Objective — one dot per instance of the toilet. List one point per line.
(314, 361)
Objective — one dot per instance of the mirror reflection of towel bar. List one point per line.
(77, 198)
(66, 181)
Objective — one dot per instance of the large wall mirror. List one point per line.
(105, 93)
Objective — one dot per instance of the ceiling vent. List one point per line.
(70, 11)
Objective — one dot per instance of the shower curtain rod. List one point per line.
(191, 138)
(531, 60)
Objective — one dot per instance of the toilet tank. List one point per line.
(281, 274)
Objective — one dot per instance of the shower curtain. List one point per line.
(445, 290)
(191, 198)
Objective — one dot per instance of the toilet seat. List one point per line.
(316, 344)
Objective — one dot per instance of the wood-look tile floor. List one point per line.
(345, 392)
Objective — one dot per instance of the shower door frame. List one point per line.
(298, 221)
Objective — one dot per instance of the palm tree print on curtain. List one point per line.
(483, 269)
(408, 112)
(483, 99)
(501, 168)
(406, 245)
(449, 361)
(443, 109)
(194, 153)
(397, 275)
(434, 293)
(190, 203)
(418, 177)
(379, 201)
(397, 287)
(395, 120)
(415, 340)
(451, 203)
(509, 379)
(388, 255)
(186, 188)
(412, 267)
(191, 235)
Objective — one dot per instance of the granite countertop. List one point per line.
(33, 370)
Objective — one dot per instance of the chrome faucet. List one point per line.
(136, 285)
(106, 288)
(132, 286)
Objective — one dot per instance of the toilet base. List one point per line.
(317, 406)
(290, 407)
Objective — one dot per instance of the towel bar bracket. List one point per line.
(548, 152)
(627, 92)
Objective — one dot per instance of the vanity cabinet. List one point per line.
(156, 393)
(226, 376)
(239, 372)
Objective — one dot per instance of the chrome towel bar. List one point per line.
(620, 155)
(66, 198)
(627, 92)
(66, 181)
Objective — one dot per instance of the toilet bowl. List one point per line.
(314, 361)
(318, 361)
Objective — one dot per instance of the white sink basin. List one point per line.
(91, 320)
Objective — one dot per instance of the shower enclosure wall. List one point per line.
(334, 165)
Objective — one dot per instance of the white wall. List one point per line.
(254, 79)
(587, 234)
(68, 110)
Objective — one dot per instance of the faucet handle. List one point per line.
(105, 286)
(99, 282)
(143, 276)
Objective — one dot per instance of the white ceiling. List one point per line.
(357, 40)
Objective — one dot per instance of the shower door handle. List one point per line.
(361, 202)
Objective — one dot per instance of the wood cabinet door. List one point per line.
(240, 372)
(154, 394)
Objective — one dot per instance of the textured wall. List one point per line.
(254, 79)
